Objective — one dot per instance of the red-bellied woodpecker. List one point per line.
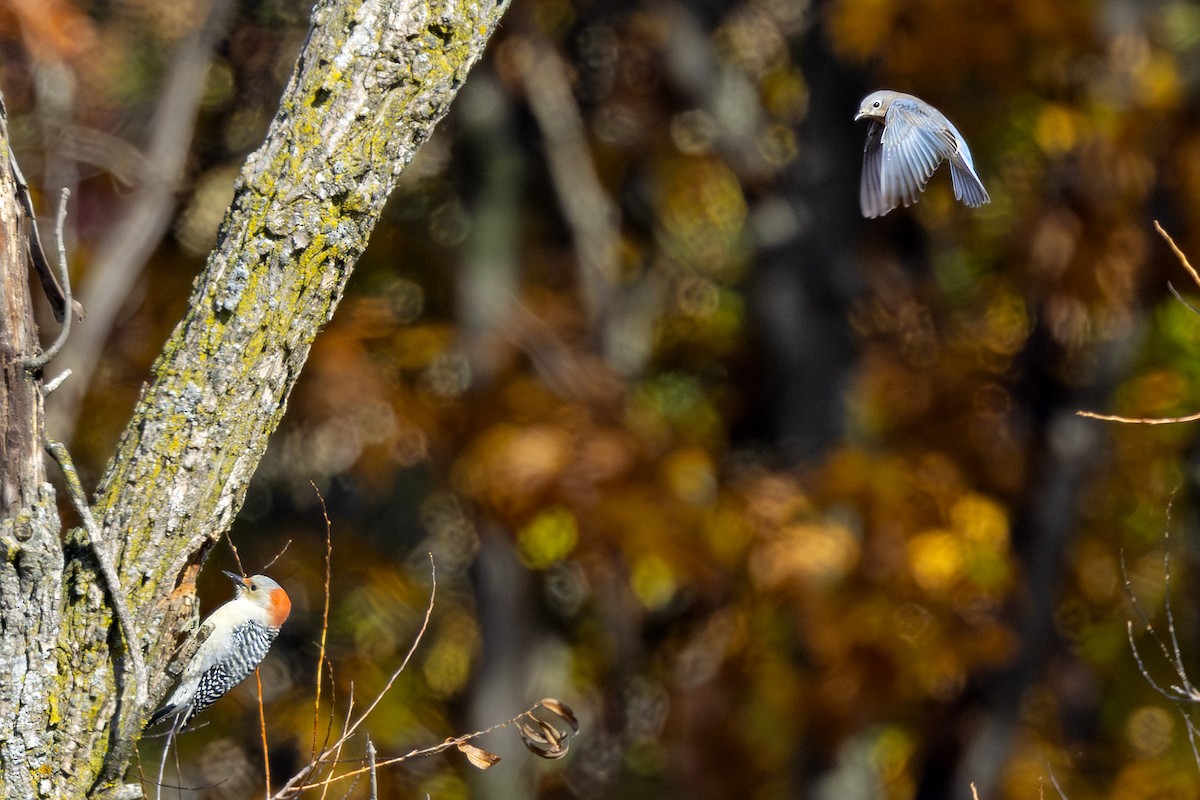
(241, 632)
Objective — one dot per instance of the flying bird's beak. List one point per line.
(233, 576)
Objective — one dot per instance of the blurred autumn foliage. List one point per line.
(783, 502)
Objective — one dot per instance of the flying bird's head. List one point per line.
(875, 105)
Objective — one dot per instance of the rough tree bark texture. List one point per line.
(31, 571)
(373, 79)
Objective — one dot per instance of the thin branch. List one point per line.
(1054, 782)
(1183, 259)
(1183, 693)
(50, 352)
(1138, 420)
(278, 556)
(1176, 650)
(295, 784)
(60, 301)
(525, 721)
(371, 767)
(333, 704)
(420, 751)
(324, 617)
(337, 747)
(58, 451)
(1182, 299)
(237, 557)
(262, 729)
(50, 385)
(1191, 731)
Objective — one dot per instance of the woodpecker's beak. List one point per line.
(859, 115)
(233, 576)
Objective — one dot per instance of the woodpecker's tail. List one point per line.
(169, 710)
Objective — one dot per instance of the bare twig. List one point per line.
(371, 767)
(333, 704)
(262, 729)
(442, 747)
(1054, 782)
(1172, 652)
(1175, 293)
(108, 572)
(1182, 692)
(50, 352)
(336, 750)
(482, 757)
(297, 782)
(278, 556)
(337, 747)
(324, 618)
(1183, 259)
(50, 385)
(237, 557)
(59, 300)
(1138, 420)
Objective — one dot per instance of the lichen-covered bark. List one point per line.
(373, 79)
(31, 569)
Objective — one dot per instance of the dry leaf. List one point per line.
(548, 738)
(479, 758)
(561, 709)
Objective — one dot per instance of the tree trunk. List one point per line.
(373, 79)
(31, 571)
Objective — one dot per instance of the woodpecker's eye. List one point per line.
(253, 586)
(875, 104)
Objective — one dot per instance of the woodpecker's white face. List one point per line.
(265, 593)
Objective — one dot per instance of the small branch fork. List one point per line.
(547, 738)
(58, 295)
(330, 753)
(64, 286)
(1183, 692)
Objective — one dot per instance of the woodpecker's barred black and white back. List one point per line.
(251, 642)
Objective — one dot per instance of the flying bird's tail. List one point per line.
(967, 186)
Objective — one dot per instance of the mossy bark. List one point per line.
(31, 569)
(372, 80)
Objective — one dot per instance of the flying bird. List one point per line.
(907, 140)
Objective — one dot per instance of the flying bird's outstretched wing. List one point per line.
(870, 197)
(916, 138)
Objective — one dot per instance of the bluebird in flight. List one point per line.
(906, 142)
